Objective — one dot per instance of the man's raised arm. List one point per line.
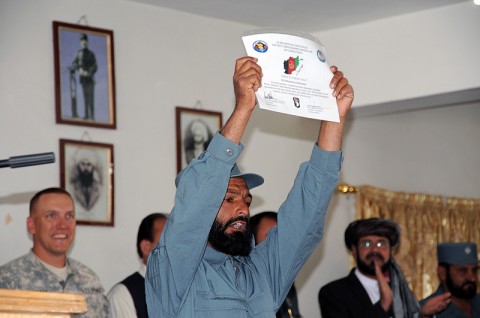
(246, 81)
(330, 136)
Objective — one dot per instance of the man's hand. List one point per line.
(386, 294)
(342, 90)
(436, 304)
(330, 136)
(246, 81)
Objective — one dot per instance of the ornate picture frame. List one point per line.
(194, 129)
(86, 172)
(84, 75)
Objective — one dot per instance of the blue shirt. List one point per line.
(185, 278)
(453, 311)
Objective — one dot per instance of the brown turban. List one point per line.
(373, 226)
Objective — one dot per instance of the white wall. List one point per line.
(432, 151)
(164, 59)
(409, 56)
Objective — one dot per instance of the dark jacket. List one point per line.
(346, 298)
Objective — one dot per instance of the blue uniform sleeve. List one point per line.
(300, 221)
(201, 187)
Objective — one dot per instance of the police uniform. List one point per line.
(456, 254)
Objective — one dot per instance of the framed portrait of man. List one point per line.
(195, 128)
(84, 75)
(86, 172)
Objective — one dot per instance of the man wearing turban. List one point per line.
(376, 287)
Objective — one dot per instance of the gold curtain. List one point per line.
(424, 221)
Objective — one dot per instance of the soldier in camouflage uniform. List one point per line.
(46, 267)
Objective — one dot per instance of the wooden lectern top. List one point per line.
(26, 303)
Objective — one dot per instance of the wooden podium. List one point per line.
(34, 304)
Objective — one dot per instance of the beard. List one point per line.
(236, 244)
(368, 267)
(466, 291)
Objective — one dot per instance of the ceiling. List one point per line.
(302, 15)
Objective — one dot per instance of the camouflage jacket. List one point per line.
(28, 273)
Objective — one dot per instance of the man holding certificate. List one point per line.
(206, 264)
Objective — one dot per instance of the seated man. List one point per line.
(458, 274)
(204, 264)
(46, 267)
(127, 298)
(376, 287)
(261, 224)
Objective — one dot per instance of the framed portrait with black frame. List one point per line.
(84, 75)
(86, 172)
(195, 128)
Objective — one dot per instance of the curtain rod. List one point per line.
(347, 189)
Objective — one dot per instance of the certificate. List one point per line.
(296, 75)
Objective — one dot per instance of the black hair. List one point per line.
(446, 265)
(145, 230)
(257, 218)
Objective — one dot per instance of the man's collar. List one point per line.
(218, 259)
(214, 257)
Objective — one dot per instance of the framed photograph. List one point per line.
(84, 75)
(195, 129)
(86, 172)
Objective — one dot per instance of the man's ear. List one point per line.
(30, 225)
(354, 252)
(145, 247)
(442, 273)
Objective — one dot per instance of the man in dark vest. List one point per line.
(127, 298)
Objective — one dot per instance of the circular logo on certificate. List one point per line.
(260, 46)
(320, 56)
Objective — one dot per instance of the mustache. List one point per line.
(233, 220)
(377, 255)
(469, 285)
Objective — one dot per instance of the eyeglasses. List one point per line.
(368, 244)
